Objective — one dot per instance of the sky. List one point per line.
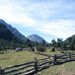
(50, 19)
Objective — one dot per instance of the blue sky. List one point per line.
(51, 19)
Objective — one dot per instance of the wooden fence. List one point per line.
(32, 67)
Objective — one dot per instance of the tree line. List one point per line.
(65, 45)
(59, 43)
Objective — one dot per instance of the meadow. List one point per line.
(63, 69)
(67, 68)
(9, 59)
(14, 58)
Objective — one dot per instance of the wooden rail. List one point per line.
(36, 65)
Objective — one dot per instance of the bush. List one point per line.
(33, 49)
(41, 49)
(53, 50)
(62, 52)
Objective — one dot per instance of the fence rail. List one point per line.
(36, 65)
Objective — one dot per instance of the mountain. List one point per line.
(13, 30)
(69, 39)
(8, 40)
(36, 38)
(73, 36)
(5, 33)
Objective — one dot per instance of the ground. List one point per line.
(9, 59)
(63, 69)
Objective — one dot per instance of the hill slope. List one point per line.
(5, 33)
(68, 40)
(13, 30)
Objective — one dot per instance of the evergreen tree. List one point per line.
(54, 43)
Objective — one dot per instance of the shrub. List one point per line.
(62, 52)
(53, 50)
(41, 49)
(33, 49)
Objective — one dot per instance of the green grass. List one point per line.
(49, 52)
(9, 59)
(64, 69)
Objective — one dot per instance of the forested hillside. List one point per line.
(7, 38)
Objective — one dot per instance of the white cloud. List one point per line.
(59, 28)
(12, 12)
(53, 17)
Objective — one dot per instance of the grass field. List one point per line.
(49, 52)
(63, 69)
(9, 59)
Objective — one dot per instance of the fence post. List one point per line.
(35, 65)
(55, 59)
(70, 56)
(1, 71)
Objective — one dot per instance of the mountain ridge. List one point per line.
(69, 39)
(7, 35)
(36, 38)
(13, 30)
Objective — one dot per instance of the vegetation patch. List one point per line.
(9, 59)
(64, 69)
